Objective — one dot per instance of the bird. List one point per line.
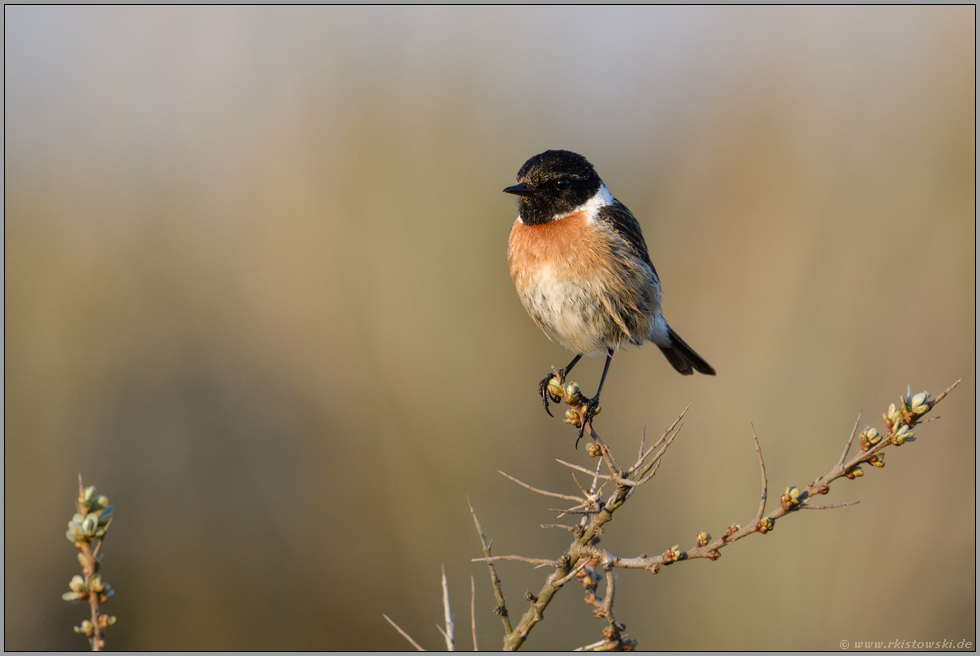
(582, 270)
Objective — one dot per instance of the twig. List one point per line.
(565, 579)
(615, 479)
(653, 473)
(584, 493)
(946, 391)
(523, 559)
(610, 593)
(412, 642)
(93, 516)
(656, 460)
(89, 569)
(810, 506)
(450, 625)
(566, 497)
(847, 447)
(643, 455)
(593, 646)
(656, 467)
(765, 483)
(473, 610)
(594, 488)
(98, 547)
(497, 592)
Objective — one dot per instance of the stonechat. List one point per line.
(581, 267)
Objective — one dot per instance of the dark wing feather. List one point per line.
(618, 217)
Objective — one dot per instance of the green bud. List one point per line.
(894, 416)
(554, 387)
(903, 435)
(90, 524)
(573, 393)
(69, 596)
(77, 584)
(873, 436)
(103, 500)
(89, 493)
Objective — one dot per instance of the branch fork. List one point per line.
(590, 564)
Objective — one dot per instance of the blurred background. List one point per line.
(255, 290)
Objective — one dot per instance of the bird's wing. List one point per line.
(618, 218)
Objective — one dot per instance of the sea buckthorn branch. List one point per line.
(590, 564)
(448, 632)
(91, 521)
(899, 423)
(596, 511)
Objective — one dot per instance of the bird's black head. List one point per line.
(554, 184)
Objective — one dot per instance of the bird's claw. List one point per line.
(546, 394)
(591, 409)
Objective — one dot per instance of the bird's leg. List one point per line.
(543, 385)
(593, 403)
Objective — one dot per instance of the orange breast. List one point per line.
(571, 246)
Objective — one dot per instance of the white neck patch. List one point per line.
(591, 207)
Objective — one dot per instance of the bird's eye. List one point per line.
(563, 184)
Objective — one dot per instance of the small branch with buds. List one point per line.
(590, 564)
(89, 525)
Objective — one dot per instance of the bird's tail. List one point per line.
(683, 357)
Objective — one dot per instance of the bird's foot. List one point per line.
(588, 412)
(552, 387)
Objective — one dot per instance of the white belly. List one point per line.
(570, 312)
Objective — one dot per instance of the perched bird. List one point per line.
(581, 268)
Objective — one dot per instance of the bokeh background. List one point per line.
(256, 291)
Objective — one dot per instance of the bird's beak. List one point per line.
(519, 190)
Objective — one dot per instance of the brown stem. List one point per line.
(494, 580)
(93, 597)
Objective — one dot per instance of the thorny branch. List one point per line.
(501, 608)
(589, 563)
